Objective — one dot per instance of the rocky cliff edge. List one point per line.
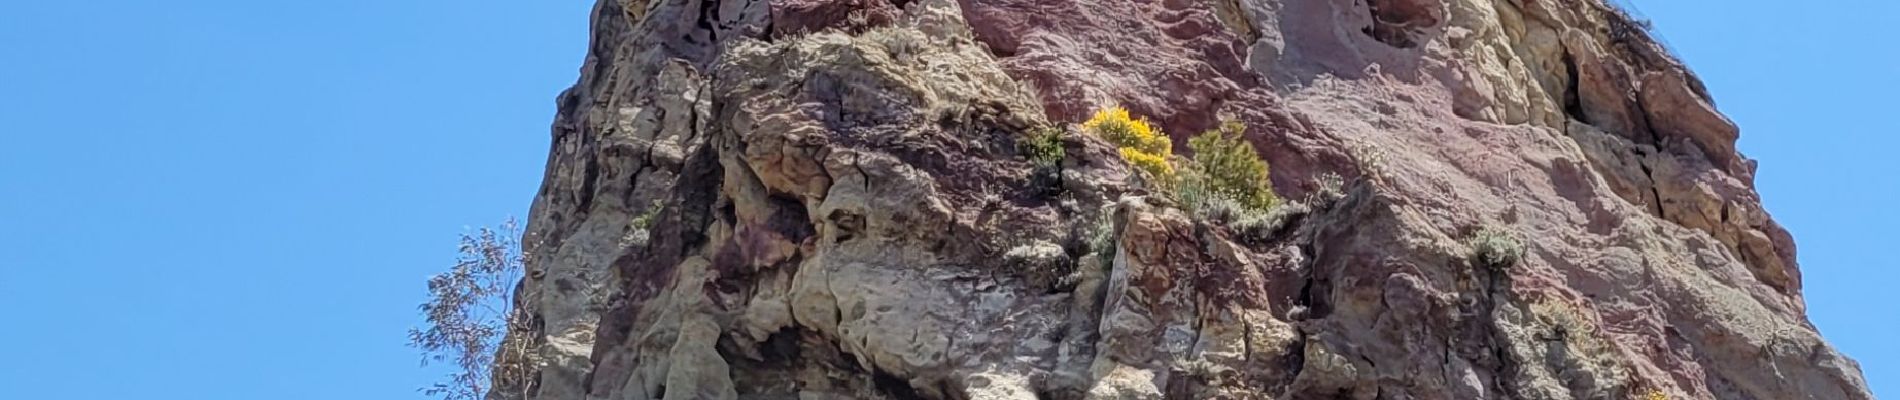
(839, 210)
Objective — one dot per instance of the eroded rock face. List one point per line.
(841, 212)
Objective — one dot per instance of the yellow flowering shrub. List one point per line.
(1141, 144)
(1155, 167)
(1117, 126)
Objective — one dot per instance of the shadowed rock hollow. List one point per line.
(842, 212)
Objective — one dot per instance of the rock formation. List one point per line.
(839, 210)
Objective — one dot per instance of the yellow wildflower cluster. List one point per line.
(1140, 144)
(1156, 167)
(1655, 395)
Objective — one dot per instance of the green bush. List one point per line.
(1225, 165)
(1329, 190)
(639, 231)
(1102, 238)
(1042, 146)
(1043, 264)
(1495, 248)
(1225, 183)
(1218, 210)
(1257, 226)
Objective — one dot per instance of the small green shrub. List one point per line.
(1259, 226)
(1218, 210)
(1042, 146)
(1330, 189)
(639, 231)
(1495, 248)
(1369, 158)
(1043, 264)
(1225, 183)
(1191, 192)
(1227, 166)
(1101, 237)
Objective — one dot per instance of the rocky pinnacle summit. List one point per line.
(835, 204)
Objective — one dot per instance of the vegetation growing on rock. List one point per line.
(1495, 248)
(1226, 183)
(1041, 146)
(1328, 188)
(639, 230)
(1143, 146)
(1044, 264)
(1098, 237)
(1224, 177)
(1258, 226)
(464, 321)
(1655, 395)
(1224, 165)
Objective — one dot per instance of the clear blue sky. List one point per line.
(1812, 85)
(220, 199)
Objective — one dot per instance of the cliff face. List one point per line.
(839, 209)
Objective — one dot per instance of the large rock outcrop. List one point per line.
(839, 210)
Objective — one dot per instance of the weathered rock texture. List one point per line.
(841, 212)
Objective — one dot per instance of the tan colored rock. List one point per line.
(1676, 112)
